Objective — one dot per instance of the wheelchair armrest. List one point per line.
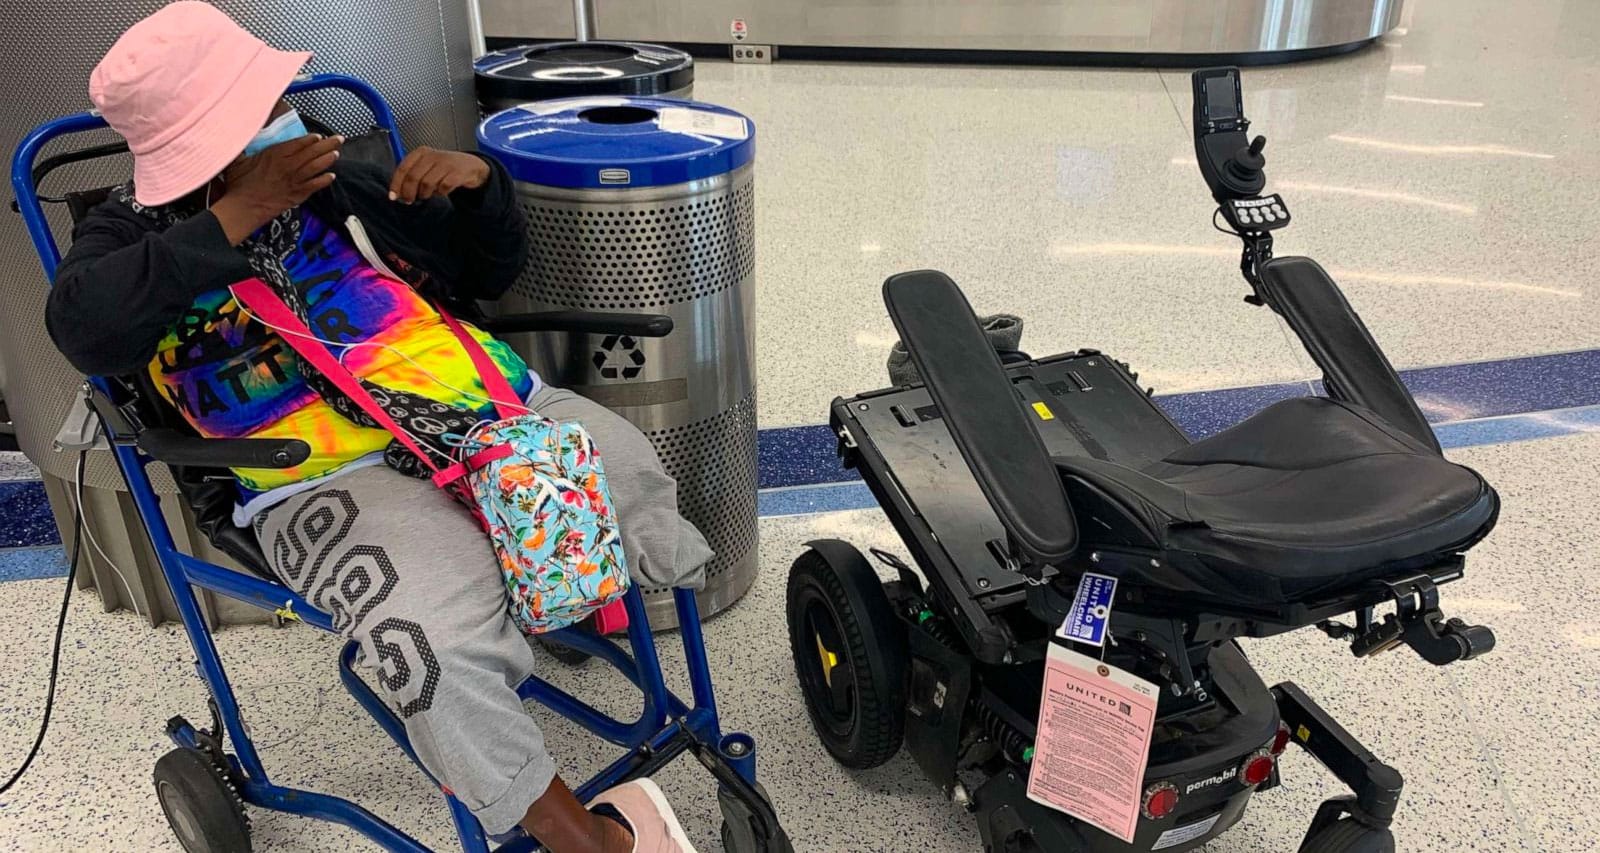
(593, 322)
(1353, 368)
(175, 448)
(983, 413)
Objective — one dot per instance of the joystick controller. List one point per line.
(1246, 164)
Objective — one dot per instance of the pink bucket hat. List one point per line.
(188, 88)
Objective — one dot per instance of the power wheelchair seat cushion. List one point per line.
(1307, 498)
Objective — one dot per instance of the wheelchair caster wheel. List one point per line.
(732, 844)
(201, 804)
(738, 836)
(565, 654)
(1348, 836)
(850, 656)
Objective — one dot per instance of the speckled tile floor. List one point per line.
(1494, 751)
(14, 466)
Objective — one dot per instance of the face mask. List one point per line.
(281, 129)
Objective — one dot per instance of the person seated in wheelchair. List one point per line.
(228, 185)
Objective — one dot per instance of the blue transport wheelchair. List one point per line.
(215, 772)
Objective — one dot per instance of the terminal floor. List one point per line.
(1497, 753)
(1445, 176)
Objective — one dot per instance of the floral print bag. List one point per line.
(536, 485)
(540, 489)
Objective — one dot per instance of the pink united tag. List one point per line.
(1094, 741)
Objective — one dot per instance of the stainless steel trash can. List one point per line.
(648, 205)
(541, 72)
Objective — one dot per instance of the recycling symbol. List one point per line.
(619, 357)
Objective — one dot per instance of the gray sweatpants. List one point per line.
(407, 573)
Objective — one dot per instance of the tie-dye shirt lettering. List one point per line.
(233, 377)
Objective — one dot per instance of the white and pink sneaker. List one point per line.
(647, 813)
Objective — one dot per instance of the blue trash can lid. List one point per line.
(617, 142)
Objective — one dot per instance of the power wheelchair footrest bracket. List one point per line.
(1417, 622)
(1376, 785)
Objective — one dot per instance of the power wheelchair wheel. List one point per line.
(201, 804)
(1349, 836)
(849, 655)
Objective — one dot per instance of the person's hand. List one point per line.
(428, 172)
(261, 187)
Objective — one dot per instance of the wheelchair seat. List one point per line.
(1309, 497)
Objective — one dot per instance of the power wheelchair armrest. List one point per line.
(984, 415)
(592, 322)
(1353, 368)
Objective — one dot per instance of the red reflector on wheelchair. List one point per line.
(1160, 800)
(1280, 741)
(1257, 768)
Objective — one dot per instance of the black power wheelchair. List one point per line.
(1008, 482)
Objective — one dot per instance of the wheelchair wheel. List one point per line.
(732, 844)
(202, 806)
(850, 656)
(1348, 836)
(737, 834)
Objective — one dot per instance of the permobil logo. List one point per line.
(1211, 780)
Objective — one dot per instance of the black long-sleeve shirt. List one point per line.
(126, 279)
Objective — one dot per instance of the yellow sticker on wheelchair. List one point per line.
(1044, 412)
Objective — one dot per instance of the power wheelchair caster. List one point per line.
(1339, 828)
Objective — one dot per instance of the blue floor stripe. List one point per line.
(1524, 427)
(25, 518)
(1479, 403)
(806, 455)
(32, 563)
(835, 497)
(25, 564)
(804, 500)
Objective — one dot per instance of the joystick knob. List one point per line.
(1246, 163)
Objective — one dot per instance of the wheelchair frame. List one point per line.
(666, 727)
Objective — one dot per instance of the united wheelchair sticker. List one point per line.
(1091, 610)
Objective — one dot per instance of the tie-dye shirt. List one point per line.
(233, 377)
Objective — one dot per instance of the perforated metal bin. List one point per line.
(567, 69)
(648, 205)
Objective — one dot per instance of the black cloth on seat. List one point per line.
(1307, 497)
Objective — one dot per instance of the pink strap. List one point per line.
(494, 382)
(259, 298)
(445, 476)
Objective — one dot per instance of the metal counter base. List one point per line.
(1054, 32)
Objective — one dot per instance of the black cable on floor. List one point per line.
(61, 624)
